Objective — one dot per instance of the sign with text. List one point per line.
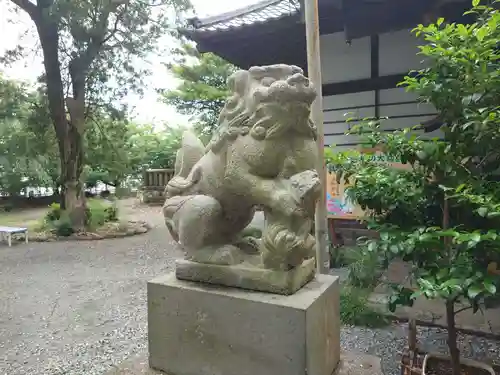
(339, 206)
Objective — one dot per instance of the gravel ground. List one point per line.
(387, 343)
(71, 308)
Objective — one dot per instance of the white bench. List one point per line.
(7, 232)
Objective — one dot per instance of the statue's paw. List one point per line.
(249, 245)
(226, 255)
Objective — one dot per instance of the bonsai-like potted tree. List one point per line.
(442, 214)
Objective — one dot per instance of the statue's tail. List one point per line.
(191, 151)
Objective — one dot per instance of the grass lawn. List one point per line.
(27, 218)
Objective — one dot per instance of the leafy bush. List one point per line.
(337, 256)
(62, 226)
(355, 309)
(99, 212)
(55, 212)
(111, 212)
(443, 213)
(365, 268)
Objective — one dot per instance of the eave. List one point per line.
(251, 36)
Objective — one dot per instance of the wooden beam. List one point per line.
(314, 72)
(360, 85)
(374, 65)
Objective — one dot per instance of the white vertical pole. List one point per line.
(314, 72)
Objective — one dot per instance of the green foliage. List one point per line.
(24, 159)
(54, 212)
(337, 256)
(57, 221)
(63, 227)
(342, 256)
(117, 149)
(355, 309)
(442, 214)
(99, 212)
(111, 212)
(91, 51)
(108, 156)
(365, 268)
(203, 89)
(153, 148)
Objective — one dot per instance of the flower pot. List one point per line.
(438, 364)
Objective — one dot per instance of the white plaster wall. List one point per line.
(398, 52)
(404, 115)
(401, 107)
(341, 62)
(336, 110)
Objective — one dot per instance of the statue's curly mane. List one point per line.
(236, 118)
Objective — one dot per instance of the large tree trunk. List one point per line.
(69, 129)
(69, 138)
(72, 189)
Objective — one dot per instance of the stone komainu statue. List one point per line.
(262, 154)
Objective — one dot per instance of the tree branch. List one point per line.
(27, 6)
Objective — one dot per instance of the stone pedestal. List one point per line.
(248, 277)
(198, 329)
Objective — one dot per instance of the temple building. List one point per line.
(367, 48)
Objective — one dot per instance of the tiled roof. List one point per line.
(260, 12)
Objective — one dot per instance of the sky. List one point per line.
(146, 109)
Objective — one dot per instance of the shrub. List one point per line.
(111, 212)
(55, 212)
(62, 226)
(355, 309)
(365, 267)
(443, 213)
(99, 212)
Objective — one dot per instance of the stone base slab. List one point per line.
(202, 329)
(248, 277)
(350, 364)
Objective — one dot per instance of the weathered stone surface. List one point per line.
(263, 154)
(248, 277)
(257, 225)
(350, 364)
(198, 329)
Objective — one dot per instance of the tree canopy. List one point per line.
(117, 148)
(90, 49)
(203, 88)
